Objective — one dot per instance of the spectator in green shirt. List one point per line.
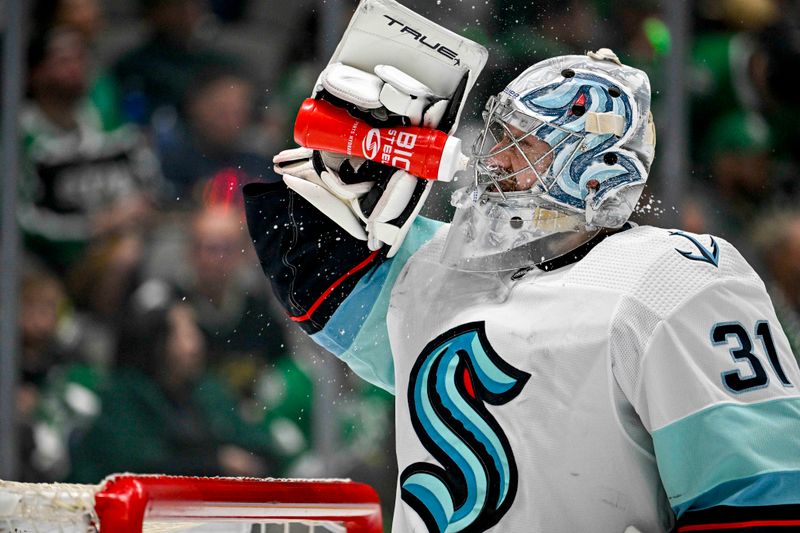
(161, 411)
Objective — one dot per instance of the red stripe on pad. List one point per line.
(336, 283)
(740, 525)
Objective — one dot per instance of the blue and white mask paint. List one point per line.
(565, 151)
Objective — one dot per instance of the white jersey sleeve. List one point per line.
(706, 365)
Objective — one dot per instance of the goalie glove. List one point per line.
(388, 91)
(365, 210)
(370, 201)
(324, 189)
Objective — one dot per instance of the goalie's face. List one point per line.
(518, 158)
(505, 219)
(512, 152)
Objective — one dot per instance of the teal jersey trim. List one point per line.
(356, 333)
(741, 453)
(774, 488)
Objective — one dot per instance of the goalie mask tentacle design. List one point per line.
(580, 158)
(565, 151)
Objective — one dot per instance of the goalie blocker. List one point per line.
(392, 68)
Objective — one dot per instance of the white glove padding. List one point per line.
(370, 201)
(297, 162)
(383, 226)
(325, 191)
(341, 202)
(388, 89)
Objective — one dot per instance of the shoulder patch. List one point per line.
(700, 253)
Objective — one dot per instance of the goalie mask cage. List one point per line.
(134, 504)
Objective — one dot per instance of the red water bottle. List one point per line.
(423, 152)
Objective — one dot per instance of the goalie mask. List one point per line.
(564, 152)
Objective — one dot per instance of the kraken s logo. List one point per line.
(454, 377)
(371, 145)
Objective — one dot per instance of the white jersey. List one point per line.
(619, 390)
(647, 384)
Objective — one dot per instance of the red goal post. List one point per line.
(150, 503)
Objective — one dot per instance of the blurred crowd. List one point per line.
(150, 340)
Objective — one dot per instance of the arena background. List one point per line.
(137, 331)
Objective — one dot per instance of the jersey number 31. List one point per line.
(733, 332)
